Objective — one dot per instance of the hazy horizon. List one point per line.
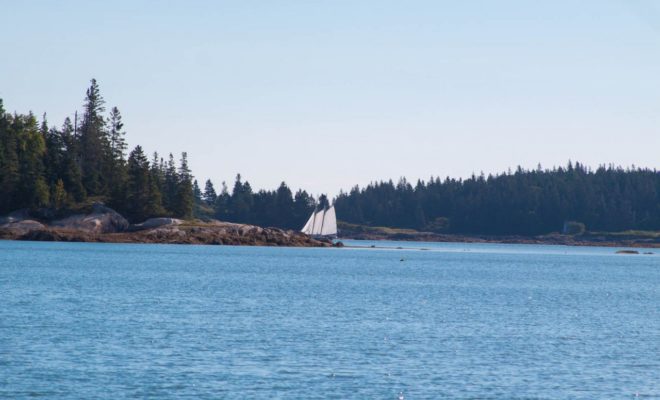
(329, 95)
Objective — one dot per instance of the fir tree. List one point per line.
(71, 173)
(9, 162)
(143, 196)
(209, 193)
(170, 185)
(184, 198)
(32, 188)
(197, 192)
(93, 142)
(117, 135)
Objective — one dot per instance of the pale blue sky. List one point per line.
(328, 94)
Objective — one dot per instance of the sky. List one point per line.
(329, 94)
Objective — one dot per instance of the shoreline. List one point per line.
(295, 240)
(585, 240)
(192, 234)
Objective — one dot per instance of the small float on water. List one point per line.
(322, 224)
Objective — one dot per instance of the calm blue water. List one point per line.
(108, 321)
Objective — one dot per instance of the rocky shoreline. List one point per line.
(105, 225)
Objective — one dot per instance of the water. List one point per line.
(109, 321)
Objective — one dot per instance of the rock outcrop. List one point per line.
(101, 220)
(22, 227)
(103, 224)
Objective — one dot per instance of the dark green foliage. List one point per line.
(22, 152)
(143, 198)
(277, 208)
(520, 203)
(209, 195)
(184, 197)
(94, 146)
(57, 168)
(71, 174)
(115, 160)
(171, 181)
(116, 135)
(197, 192)
(9, 165)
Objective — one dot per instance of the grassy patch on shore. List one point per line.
(375, 229)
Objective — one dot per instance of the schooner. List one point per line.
(322, 223)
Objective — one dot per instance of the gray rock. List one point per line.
(102, 220)
(22, 227)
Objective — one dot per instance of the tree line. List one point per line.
(44, 167)
(524, 202)
(56, 168)
(277, 208)
(87, 159)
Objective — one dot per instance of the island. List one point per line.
(103, 224)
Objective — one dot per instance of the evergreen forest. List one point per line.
(87, 159)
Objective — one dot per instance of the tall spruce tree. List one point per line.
(284, 207)
(137, 194)
(94, 147)
(71, 173)
(115, 162)
(170, 185)
(197, 192)
(32, 190)
(222, 203)
(143, 195)
(9, 162)
(184, 198)
(116, 136)
(210, 195)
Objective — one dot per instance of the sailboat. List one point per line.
(322, 223)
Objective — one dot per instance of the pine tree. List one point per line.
(115, 161)
(32, 188)
(170, 185)
(116, 135)
(303, 206)
(222, 204)
(197, 192)
(71, 173)
(93, 142)
(284, 211)
(184, 197)
(9, 164)
(142, 198)
(241, 202)
(209, 193)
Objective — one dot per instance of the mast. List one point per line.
(313, 221)
(322, 222)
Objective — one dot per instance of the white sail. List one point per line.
(321, 223)
(329, 222)
(308, 226)
(318, 222)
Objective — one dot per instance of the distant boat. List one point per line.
(322, 223)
